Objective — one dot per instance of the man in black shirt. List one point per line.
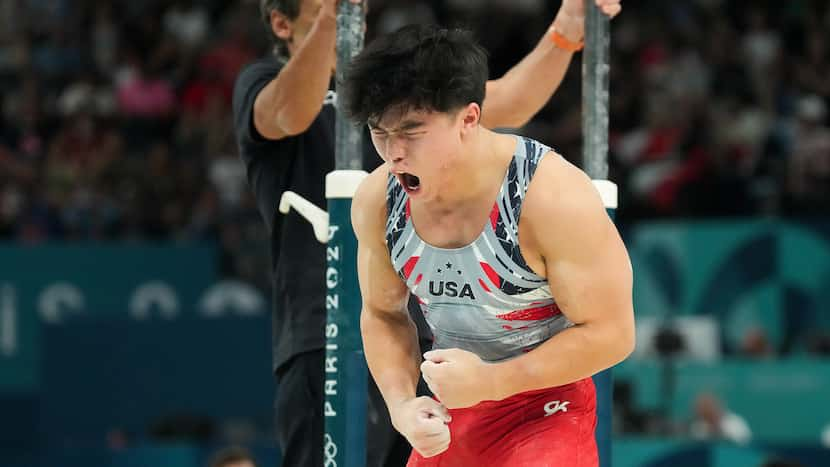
(284, 118)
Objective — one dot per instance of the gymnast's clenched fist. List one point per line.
(458, 378)
(423, 422)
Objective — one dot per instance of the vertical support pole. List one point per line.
(346, 374)
(351, 20)
(595, 82)
(595, 85)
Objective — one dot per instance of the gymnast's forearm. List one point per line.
(573, 354)
(390, 342)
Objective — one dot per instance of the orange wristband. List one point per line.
(563, 43)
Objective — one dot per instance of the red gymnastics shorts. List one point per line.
(551, 427)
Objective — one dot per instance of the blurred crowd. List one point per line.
(718, 108)
(115, 119)
(115, 124)
(115, 115)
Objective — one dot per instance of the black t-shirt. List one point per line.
(299, 164)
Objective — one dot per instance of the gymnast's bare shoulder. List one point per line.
(383, 292)
(369, 206)
(560, 190)
(576, 245)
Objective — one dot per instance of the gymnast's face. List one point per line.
(420, 147)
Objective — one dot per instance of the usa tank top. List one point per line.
(481, 297)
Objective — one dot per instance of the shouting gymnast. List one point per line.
(520, 273)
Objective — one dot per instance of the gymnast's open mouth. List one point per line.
(409, 182)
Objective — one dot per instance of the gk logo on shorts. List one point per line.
(556, 406)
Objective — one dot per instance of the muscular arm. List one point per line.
(516, 97)
(390, 339)
(290, 102)
(590, 276)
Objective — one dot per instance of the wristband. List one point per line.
(563, 42)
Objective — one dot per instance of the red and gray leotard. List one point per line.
(482, 297)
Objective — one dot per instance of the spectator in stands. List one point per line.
(696, 130)
(712, 421)
(233, 457)
(809, 164)
(756, 344)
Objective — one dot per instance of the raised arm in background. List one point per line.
(289, 104)
(517, 96)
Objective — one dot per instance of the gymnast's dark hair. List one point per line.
(422, 67)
